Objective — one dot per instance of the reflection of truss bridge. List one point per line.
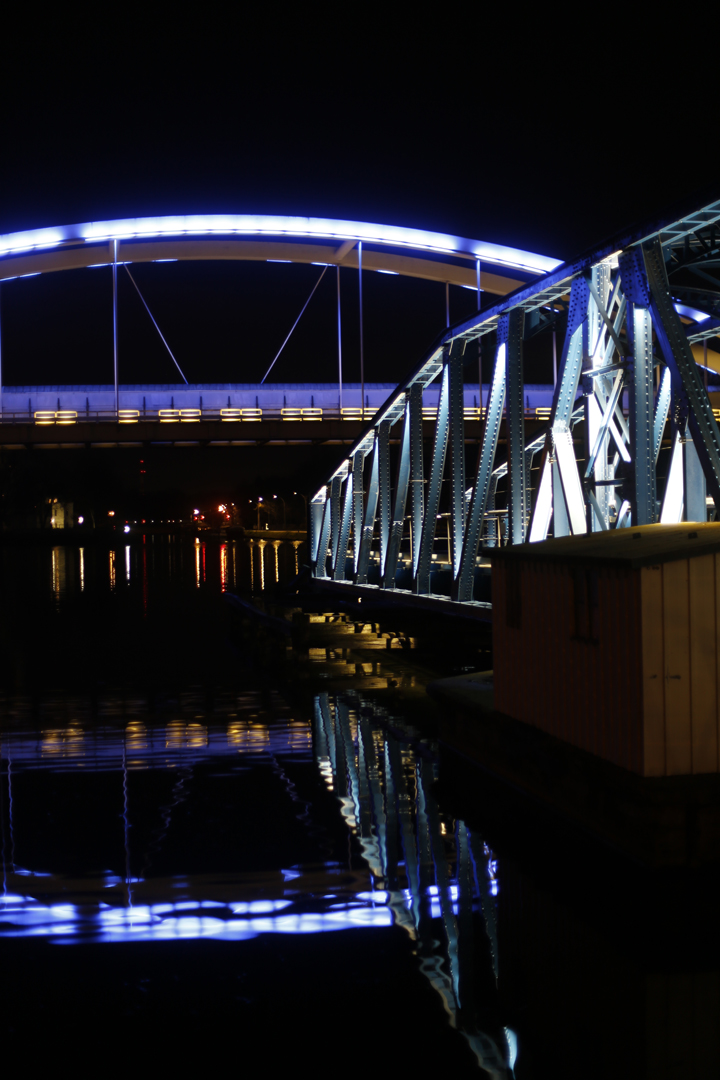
(626, 374)
(386, 801)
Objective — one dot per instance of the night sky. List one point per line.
(465, 122)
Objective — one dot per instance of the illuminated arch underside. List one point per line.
(408, 252)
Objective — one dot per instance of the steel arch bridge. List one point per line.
(627, 374)
(453, 260)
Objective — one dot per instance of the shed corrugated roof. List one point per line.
(642, 546)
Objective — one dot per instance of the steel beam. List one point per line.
(417, 474)
(358, 462)
(335, 489)
(678, 355)
(457, 454)
(640, 385)
(317, 510)
(479, 500)
(557, 463)
(340, 558)
(321, 561)
(516, 427)
(398, 518)
(369, 518)
(442, 428)
(384, 491)
(662, 407)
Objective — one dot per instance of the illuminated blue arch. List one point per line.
(388, 248)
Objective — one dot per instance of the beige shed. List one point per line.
(611, 643)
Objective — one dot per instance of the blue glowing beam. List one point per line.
(263, 225)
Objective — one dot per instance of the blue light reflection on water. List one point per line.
(25, 916)
(421, 872)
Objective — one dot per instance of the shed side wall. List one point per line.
(587, 692)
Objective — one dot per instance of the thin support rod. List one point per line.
(447, 303)
(339, 324)
(115, 326)
(162, 338)
(479, 340)
(362, 348)
(277, 356)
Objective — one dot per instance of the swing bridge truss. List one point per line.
(626, 374)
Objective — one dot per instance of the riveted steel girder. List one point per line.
(478, 503)
(679, 357)
(516, 427)
(370, 510)
(398, 518)
(559, 477)
(457, 453)
(442, 430)
(641, 416)
(335, 489)
(321, 563)
(358, 462)
(384, 491)
(417, 474)
(317, 510)
(342, 547)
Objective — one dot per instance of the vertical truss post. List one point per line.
(457, 453)
(479, 501)
(490, 516)
(673, 500)
(342, 547)
(695, 487)
(417, 472)
(383, 438)
(398, 518)
(358, 463)
(516, 427)
(642, 418)
(559, 456)
(321, 562)
(316, 519)
(640, 383)
(662, 407)
(529, 457)
(561, 522)
(442, 427)
(678, 355)
(369, 519)
(596, 393)
(335, 488)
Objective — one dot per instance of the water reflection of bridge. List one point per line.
(426, 867)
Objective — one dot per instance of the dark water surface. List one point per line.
(205, 853)
(229, 847)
